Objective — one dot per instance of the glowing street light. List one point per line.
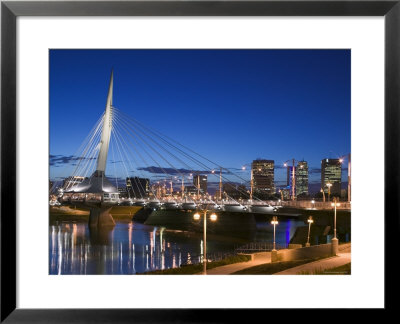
(274, 222)
(323, 194)
(310, 221)
(285, 164)
(213, 218)
(335, 241)
(329, 185)
(335, 204)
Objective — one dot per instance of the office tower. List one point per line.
(331, 172)
(263, 175)
(302, 178)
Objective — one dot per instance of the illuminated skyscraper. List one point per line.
(302, 178)
(263, 175)
(331, 172)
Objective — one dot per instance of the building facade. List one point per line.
(137, 187)
(331, 172)
(302, 178)
(263, 176)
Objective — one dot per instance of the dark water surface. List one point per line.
(132, 247)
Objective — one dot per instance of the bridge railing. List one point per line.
(198, 258)
(255, 247)
(316, 204)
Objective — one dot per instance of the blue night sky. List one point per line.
(232, 106)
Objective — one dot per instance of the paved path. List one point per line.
(333, 262)
(265, 257)
(260, 258)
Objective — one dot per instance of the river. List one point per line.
(131, 247)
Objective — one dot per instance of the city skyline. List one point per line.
(232, 95)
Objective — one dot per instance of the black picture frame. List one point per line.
(10, 10)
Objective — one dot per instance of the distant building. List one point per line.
(228, 189)
(200, 181)
(263, 175)
(285, 193)
(302, 178)
(289, 171)
(137, 187)
(331, 172)
(190, 190)
(343, 193)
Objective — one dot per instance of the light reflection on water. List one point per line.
(131, 247)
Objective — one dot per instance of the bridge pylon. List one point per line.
(97, 192)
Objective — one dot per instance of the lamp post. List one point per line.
(293, 178)
(213, 218)
(310, 221)
(274, 252)
(335, 241)
(274, 222)
(300, 165)
(329, 185)
(323, 195)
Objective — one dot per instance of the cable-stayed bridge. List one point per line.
(126, 147)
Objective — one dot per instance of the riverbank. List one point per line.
(77, 214)
(198, 268)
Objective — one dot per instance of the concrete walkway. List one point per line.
(259, 258)
(333, 262)
(343, 257)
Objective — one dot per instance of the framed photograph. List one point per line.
(147, 144)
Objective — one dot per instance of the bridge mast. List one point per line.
(220, 184)
(183, 187)
(251, 184)
(106, 132)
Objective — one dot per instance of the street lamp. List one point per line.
(300, 165)
(310, 221)
(274, 222)
(335, 204)
(329, 185)
(335, 241)
(213, 218)
(293, 178)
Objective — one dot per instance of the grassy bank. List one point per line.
(271, 268)
(76, 214)
(198, 268)
(342, 270)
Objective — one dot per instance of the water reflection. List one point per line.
(131, 248)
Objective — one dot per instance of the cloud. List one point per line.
(171, 171)
(58, 160)
(314, 170)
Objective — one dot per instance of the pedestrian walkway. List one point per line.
(259, 258)
(333, 262)
(343, 258)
